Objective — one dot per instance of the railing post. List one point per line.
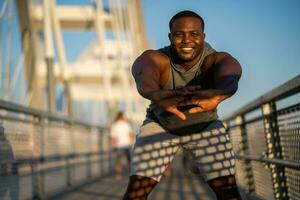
(274, 150)
(111, 153)
(244, 150)
(89, 155)
(101, 161)
(70, 156)
(38, 174)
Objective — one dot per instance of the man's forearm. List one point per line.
(225, 88)
(228, 84)
(157, 95)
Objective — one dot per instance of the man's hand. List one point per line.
(204, 100)
(113, 142)
(169, 100)
(171, 104)
(202, 105)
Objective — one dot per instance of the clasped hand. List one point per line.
(190, 95)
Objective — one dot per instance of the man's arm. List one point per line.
(226, 72)
(147, 71)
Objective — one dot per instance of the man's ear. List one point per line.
(204, 35)
(169, 36)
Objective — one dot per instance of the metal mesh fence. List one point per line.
(289, 130)
(241, 166)
(257, 145)
(40, 157)
(267, 144)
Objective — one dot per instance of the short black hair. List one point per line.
(186, 13)
(120, 115)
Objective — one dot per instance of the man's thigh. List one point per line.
(212, 151)
(153, 151)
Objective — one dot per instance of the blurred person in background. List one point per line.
(121, 140)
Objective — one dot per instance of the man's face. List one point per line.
(187, 38)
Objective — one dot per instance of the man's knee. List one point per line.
(139, 187)
(225, 188)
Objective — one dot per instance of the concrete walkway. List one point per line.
(175, 186)
(171, 188)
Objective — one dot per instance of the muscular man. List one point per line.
(185, 82)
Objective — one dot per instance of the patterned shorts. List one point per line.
(155, 149)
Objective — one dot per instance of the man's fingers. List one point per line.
(175, 111)
(185, 103)
(196, 110)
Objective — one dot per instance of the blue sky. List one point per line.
(263, 35)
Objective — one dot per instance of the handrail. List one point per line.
(14, 107)
(287, 89)
(275, 161)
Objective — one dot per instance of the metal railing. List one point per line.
(265, 135)
(43, 154)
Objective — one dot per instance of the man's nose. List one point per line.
(186, 38)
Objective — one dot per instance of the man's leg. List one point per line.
(225, 188)
(213, 154)
(139, 187)
(118, 164)
(153, 151)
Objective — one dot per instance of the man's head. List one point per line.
(186, 13)
(187, 36)
(120, 116)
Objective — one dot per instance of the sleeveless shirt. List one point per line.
(180, 77)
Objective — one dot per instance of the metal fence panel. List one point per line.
(270, 141)
(241, 166)
(41, 155)
(289, 130)
(257, 145)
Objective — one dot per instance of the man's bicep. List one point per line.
(146, 75)
(227, 65)
(227, 72)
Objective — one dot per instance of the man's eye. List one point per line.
(178, 34)
(195, 34)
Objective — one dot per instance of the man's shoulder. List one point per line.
(213, 61)
(166, 50)
(152, 58)
(155, 54)
(215, 56)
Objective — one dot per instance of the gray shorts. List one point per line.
(155, 149)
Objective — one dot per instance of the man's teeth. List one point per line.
(187, 49)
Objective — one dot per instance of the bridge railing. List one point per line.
(43, 154)
(266, 138)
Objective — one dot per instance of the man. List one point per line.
(121, 139)
(185, 83)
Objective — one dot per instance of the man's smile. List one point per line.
(186, 49)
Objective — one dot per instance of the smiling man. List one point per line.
(185, 82)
